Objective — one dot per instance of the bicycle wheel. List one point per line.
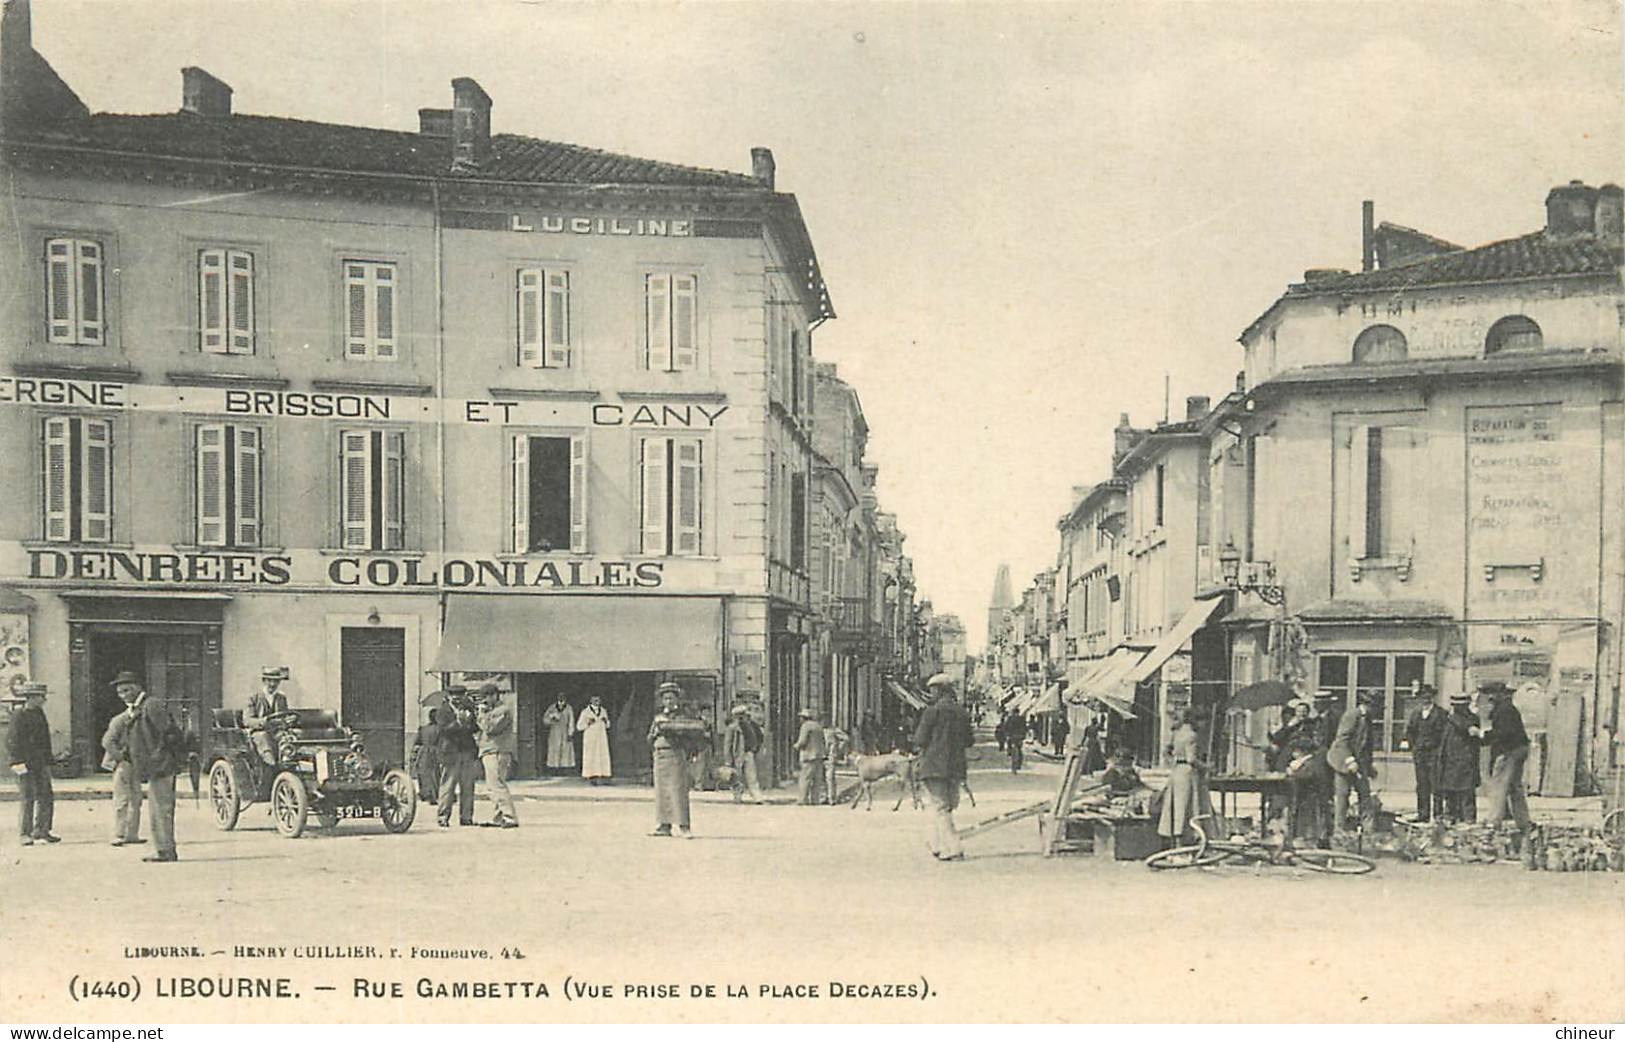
(1186, 857)
(1334, 862)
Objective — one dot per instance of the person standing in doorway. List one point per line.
(671, 733)
(1424, 730)
(116, 746)
(560, 721)
(1509, 749)
(740, 745)
(942, 736)
(157, 753)
(1458, 775)
(497, 744)
(29, 747)
(593, 723)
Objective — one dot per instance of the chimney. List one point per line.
(1368, 236)
(1571, 210)
(470, 124)
(1196, 406)
(762, 166)
(1122, 438)
(30, 90)
(434, 122)
(203, 94)
(16, 30)
(1610, 221)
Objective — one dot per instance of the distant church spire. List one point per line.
(1002, 597)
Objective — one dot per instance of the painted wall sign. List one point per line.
(571, 224)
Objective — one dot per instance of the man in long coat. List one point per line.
(942, 735)
(1350, 757)
(1458, 761)
(560, 721)
(593, 723)
(157, 752)
(458, 753)
(29, 752)
(672, 733)
(1424, 730)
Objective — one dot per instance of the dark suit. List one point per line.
(1350, 757)
(29, 744)
(1424, 730)
(1458, 777)
(943, 734)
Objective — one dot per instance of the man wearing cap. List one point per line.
(811, 750)
(262, 704)
(1424, 730)
(1350, 757)
(29, 746)
(942, 735)
(498, 743)
(1458, 776)
(740, 745)
(670, 734)
(116, 747)
(1509, 748)
(156, 752)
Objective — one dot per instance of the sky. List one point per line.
(1029, 216)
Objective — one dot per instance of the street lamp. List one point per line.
(1230, 572)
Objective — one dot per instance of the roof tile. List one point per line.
(1529, 256)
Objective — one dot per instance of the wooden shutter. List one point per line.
(92, 323)
(211, 484)
(96, 465)
(529, 296)
(1359, 477)
(686, 493)
(240, 299)
(211, 303)
(519, 445)
(383, 315)
(355, 311)
(685, 322)
(578, 493)
(58, 514)
(1405, 494)
(247, 491)
(657, 322)
(558, 319)
(394, 449)
(656, 500)
(59, 291)
(355, 488)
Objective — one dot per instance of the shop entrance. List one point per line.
(629, 697)
(372, 689)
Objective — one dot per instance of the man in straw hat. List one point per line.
(671, 734)
(498, 743)
(1458, 777)
(810, 751)
(29, 747)
(942, 735)
(740, 745)
(263, 704)
(116, 749)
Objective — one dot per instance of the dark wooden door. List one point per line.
(372, 682)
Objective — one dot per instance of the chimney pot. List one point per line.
(1368, 235)
(762, 166)
(434, 122)
(470, 123)
(203, 94)
(1196, 406)
(1571, 210)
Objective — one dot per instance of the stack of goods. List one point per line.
(1467, 843)
(1573, 848)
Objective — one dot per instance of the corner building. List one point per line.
(390, 407)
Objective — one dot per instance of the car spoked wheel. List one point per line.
(225, 795)
(400, 801)
(290, 804)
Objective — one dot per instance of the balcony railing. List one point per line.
(849, 616)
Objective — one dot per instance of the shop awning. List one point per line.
(1117, 665)
(1195, 618)
(908, 697)
(580, 634)
(1049, 702)
(1076, 690)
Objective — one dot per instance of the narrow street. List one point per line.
(818, 895)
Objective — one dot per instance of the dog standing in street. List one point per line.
(872, 770)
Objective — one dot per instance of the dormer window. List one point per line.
(1513, 333)
(1380, 344)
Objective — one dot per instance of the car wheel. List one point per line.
(225, 794)
(400, 804)
(290, 804)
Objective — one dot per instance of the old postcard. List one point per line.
(858, 512)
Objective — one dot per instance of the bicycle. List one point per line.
(1254, 850)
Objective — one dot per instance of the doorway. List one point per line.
(372, 689)
(175, 667)
(629, 697)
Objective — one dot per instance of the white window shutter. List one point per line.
(59, 287)
(1359, 475)
(656, 500)
(394, 444)
(211, 301)
(92, 322)
(686, 495)
(685, 322)
(356, 333)
(211, 484)
(240, 297)
(383, 286)
(578, 494)
(529, 297)
(519, 446)
(58, 445)
(1405, 447)
(96, 464)
(355, 488)
(657, 322)
(558, 319)
(249, 456)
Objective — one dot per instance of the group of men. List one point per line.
(1445, 752)
(469, 733)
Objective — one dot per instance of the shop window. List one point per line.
(1380, 344)
(372, 489)
(544, 318)
(370, 304)
(671, 481)
(78, 480)
(1513, 333)
(671, 322)
(1388, 679)
(228, 493)
(225, 301)
(75, 292)
(549, 493)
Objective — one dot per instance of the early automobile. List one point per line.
(318, 768)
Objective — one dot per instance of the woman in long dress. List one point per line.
(1186, 795)
(593, 723)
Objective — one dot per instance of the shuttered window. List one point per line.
(549, 504)
(77, 479)
(75, 292)
(225, 301)
(672, 485)
(228, 485)
(1385, 487)
(372, 489)
(544, 318)
(370, 289)
(671, 322)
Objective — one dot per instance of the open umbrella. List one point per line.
(1264, 693)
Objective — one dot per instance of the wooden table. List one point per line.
(1271, 787)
